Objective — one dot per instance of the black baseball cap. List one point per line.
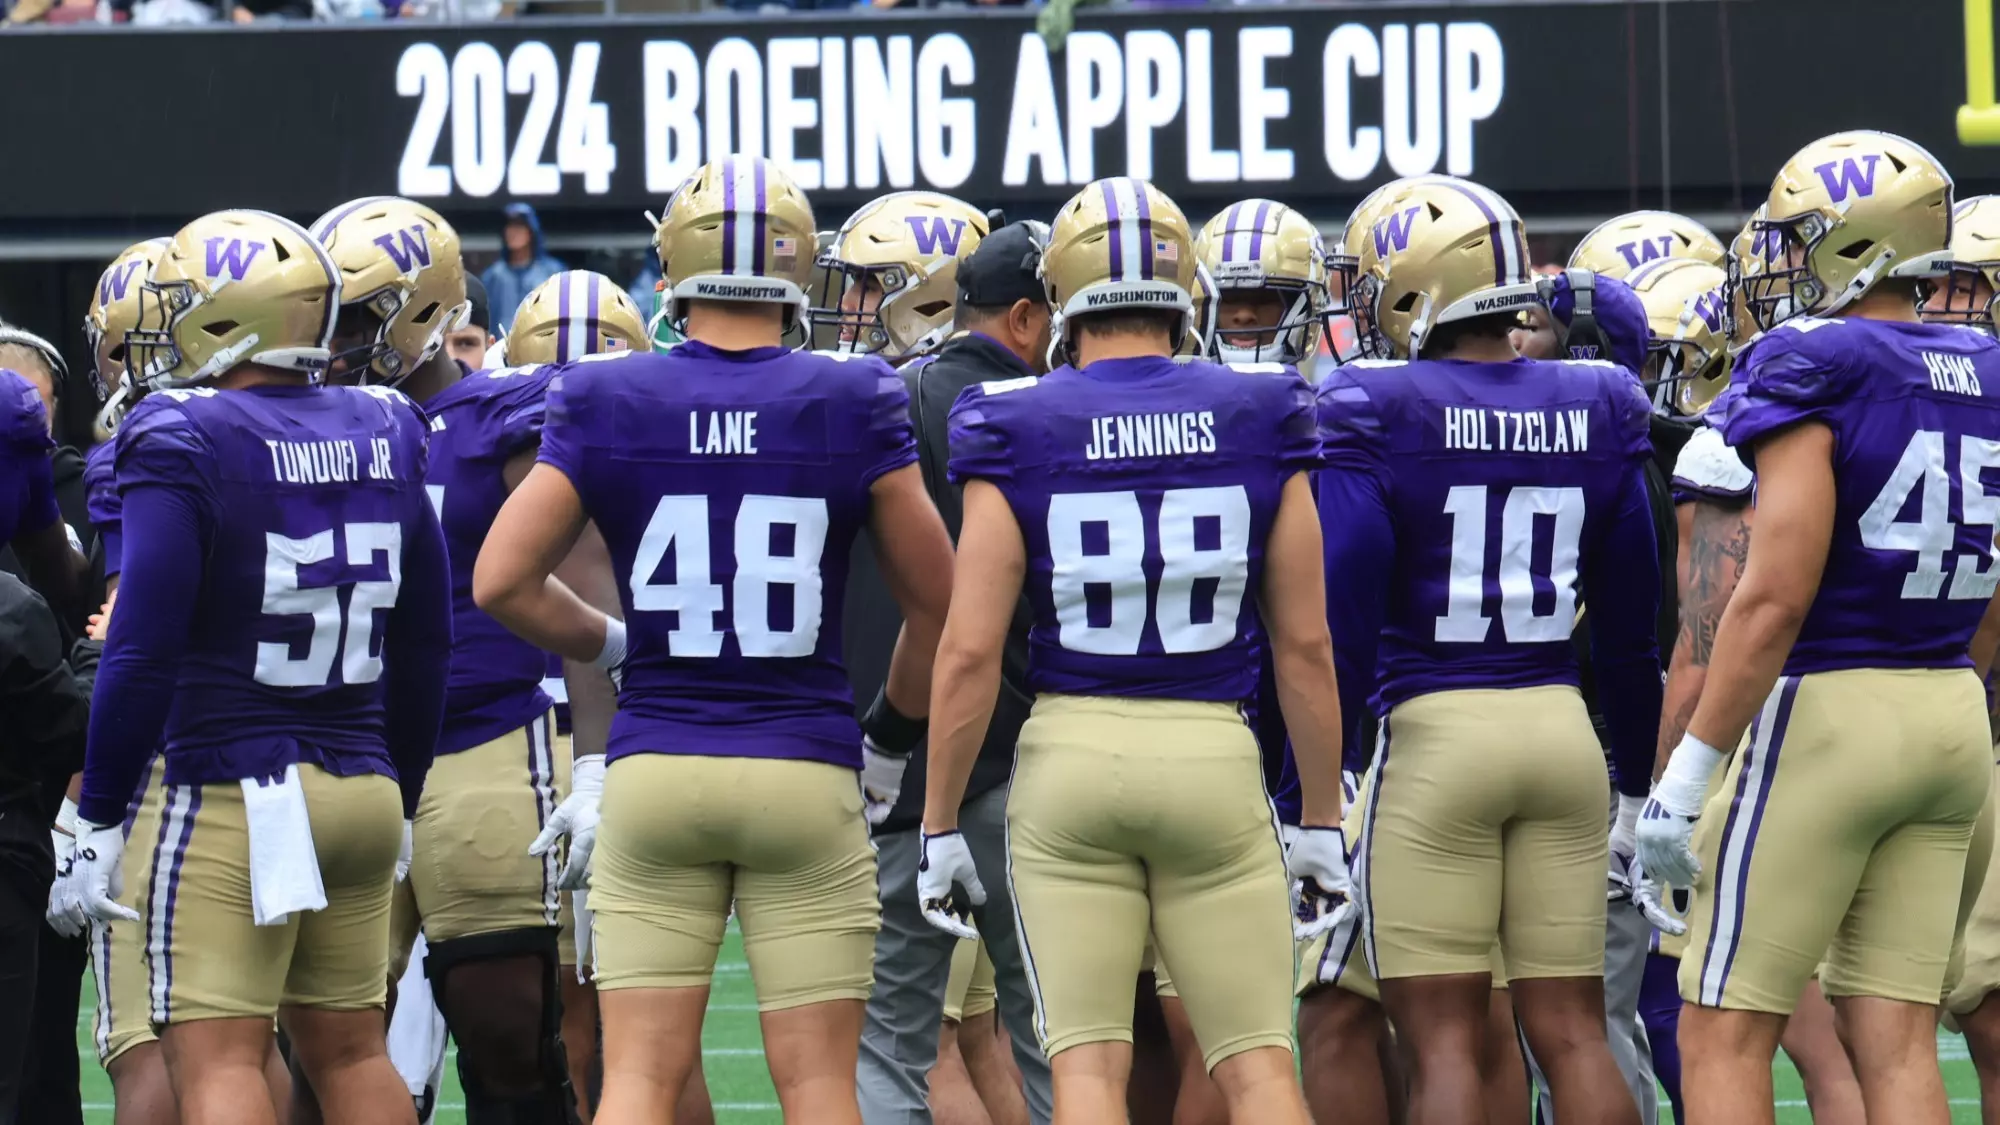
(1003, 270)
(475, 291)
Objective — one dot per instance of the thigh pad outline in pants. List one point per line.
(118, 951)
(206, 957)
(1130, 814)
(1817, 851)
(683, 836)
(1486, 818)
(471, 873)
(1975, 955)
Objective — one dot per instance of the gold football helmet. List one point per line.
(1687, 354)
(738, 229)
(1749, 255)
(1345, 259)
(1846, 213)
(400, 265)
(575, 313)
(1119, 244)
(1618, 246)
(231, 288)
(891, 275)
(1195, 344)
(1439, 251)
(114, 311)
(1261, 247)
(1970, 288)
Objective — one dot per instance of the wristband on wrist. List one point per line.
(890, 730)
(613, 652)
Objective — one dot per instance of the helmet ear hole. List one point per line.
(219, 328)
(1854, 250)
(425, 316)
(932, 308)
(278, 248)
(1408, 302)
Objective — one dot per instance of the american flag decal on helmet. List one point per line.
(1165, 251)
(784, 254)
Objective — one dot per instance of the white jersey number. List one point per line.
(680, 523)
(284, 597)
(1204, 536)
(1465, 620)
(1921, 470)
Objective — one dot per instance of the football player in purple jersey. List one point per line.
(1480, 500)
(1839, 836)
(1965, 297)
(490, 911)
(730, 476)
(1158, 517)
(123, 1033)
(287, 642)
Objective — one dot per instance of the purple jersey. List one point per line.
(1916, 467)
(1145, 489)
(304, 497)
(1470, 511)
(28, 497)
(477, 425)
(729, 487)
(102, 505)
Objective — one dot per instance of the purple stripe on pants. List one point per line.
(1769, 768)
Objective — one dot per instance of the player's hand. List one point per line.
(945, 866)
(881, 780)
(405, 852)
(62, 836)
(1317, 863)
(99, 623)
(576, 818)
(95, 873)
(1646, 896)
(1665, 836)
(1624, 847)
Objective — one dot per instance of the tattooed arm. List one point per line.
(1714, 542)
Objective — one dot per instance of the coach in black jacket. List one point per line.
(44, 713)
(1001, 332)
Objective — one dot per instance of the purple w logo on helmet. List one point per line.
(117, 281)
(1849, 176)
(230, 255)
(938, 231)
(405, 247)
(1647, 249)
(1392, 231)
(1709, 307)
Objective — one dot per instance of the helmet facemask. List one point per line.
(1966, 296)
(1291, 339)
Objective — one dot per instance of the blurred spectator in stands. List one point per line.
(522, 265)
(784, 5)
(468, 345)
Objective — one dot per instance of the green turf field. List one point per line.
(742, 1089)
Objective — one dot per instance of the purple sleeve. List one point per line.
(892, 444)
(1360, 556)
(562, 445)
(1621, 592)
(979, 443)
(1299, 446)
(102, 505)
(521, 414)
(1350, 425)
(149, 633)
(1780, 381)
(416, 654)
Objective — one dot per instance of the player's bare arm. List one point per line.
(587, 571)
(915, 553)
(1293, 604)
(992, 561)
(515, 579)
(1986, 641)
(1714, 543)
(1788, 542)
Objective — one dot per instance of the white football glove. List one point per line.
(1646, 896)
(63, 837)
(95, 875)
(406, 852)
(881, 780)
(947, 864)
(576, 818)
(1624, 847)
(1317, 863)
(1666, 826)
